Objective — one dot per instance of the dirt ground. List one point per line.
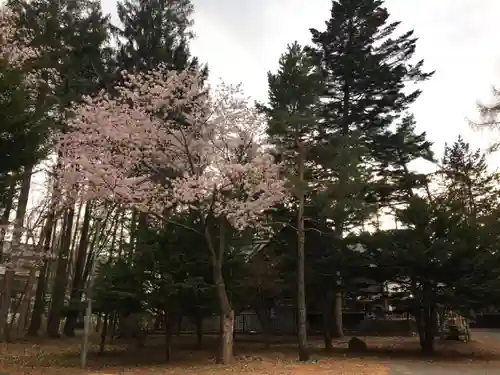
(386, 356)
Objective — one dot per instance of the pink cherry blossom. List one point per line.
(162, 141)
(14, 45)
(16, 49)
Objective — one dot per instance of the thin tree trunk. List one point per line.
(179, 325)
(168, 330)
(8, 283)
(74, 239)
(199, 330)
(15, 249)
(38, 308)
(90, 256)
(428, 321)
(9, 277)
(265, 323)
(60, 280)
(327, 320)
(104, 333)
(25, 302)
(98, 323)
(112, 327)
(133, 232)
(301, 292)
(36, 316)
(338, 330)
(77, 284)
(77, 224)
(8, 203)
(9, 336)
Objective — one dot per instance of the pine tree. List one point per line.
(365, 68)
(446, 253)
(155, 32)
(468, 180)
(395, 150)
(78, 34)
(23, 132)
(293, 98)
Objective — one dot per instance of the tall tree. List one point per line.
(77, 34)
(446, 254)
(293, 99)
(396, 150)
(25, 99)
(221, 173)
(365, 70)
(155, 32)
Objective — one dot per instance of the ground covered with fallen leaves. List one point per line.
(61, 356)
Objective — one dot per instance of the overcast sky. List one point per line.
(241, 40)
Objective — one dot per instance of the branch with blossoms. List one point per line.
(17, 52)
(162, 144)
(158, 144)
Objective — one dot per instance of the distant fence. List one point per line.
(284, 323)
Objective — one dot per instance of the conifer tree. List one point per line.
(365, 68)
(155, 32)
(293, 98)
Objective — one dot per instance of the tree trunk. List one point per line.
(60, 280)
(327, 321)
(38, 309)
(179, 325)
(8, 282)
(225, 310)
(227, 337)
(77, 225)
(77, 284)
(170, 321)
(15, 250)
(98, 323)
(199, 330)
(265, 323)
(8, 202)
(429, 330)
(112, 327)
(9, 276)
(338, 331)
(25, 302)
(426, 321)
(36, 315)
(9, 335)
(104, 333)
(301, 289)
(427, 342)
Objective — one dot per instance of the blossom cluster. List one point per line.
(161, 140)
(17, 50)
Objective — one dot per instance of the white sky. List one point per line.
(241, 40)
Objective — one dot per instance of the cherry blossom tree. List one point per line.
(18, 52)
(164, 144)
